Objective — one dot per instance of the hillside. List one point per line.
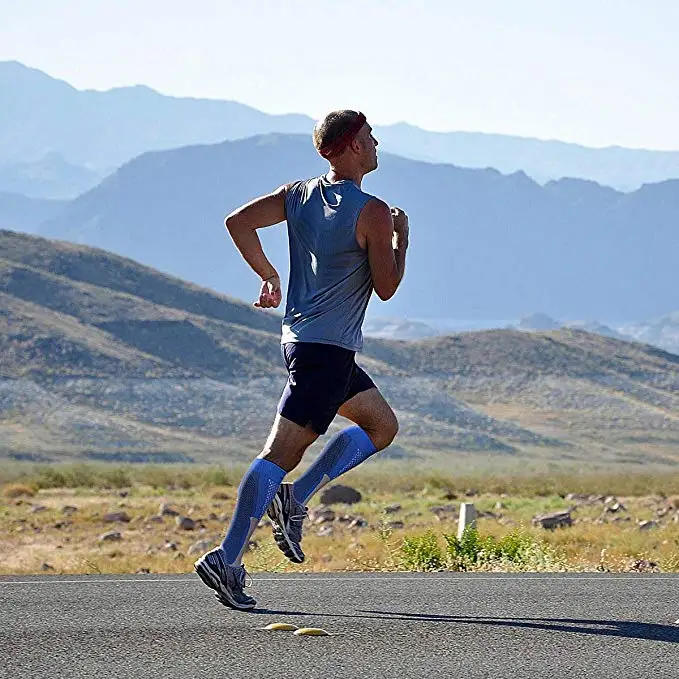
(95, 132)
(102, 358)
(21, 213)
(504, 245)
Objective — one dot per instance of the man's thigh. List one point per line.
(370, 411)
(287, 442)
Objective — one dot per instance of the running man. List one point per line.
(344, 243)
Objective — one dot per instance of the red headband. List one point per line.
(336, 147)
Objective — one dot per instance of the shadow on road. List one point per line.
(612, 628)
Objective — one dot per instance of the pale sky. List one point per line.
(596, 72)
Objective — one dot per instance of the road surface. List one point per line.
(382, 625)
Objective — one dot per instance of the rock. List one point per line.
(449, 495)
(321, 515)
(643, 566)
(38, 508)
(471, 492)
(46, 567)
(555, 520)
(220, 495)
(662, 511)
(123, 493)
(392, 509)
(396, 525)
(142, 571)
(199, 547)
(252, 545)
(340, 495)
(111, 536)
(69, 509)
(155, 519)
(213, 517)
(166, 510)
(170, 546)
(325, 531)
(358, 522)
(184, 523)
(116, 517)
(647, 525)
(225, 518)
(500, 505)
(610, 500)
(442, 510)
(616, 507)
(675, 518)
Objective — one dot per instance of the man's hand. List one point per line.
(401, 228)
(270, 294)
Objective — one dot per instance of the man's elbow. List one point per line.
(385, 293)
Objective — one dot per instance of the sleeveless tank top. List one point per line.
(330, 282)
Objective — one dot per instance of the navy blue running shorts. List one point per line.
(321, 377)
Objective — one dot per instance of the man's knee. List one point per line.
(385, 432)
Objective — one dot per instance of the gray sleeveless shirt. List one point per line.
(330, 282)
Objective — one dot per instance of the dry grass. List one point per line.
(15, 490)
(41, 530)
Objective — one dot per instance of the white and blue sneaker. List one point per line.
(227, 581)
(287, 515)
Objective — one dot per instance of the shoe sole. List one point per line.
(211, 579)
(275, 511)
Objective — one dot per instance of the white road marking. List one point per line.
(461, 579)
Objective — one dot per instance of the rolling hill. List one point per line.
(103, 358)
(500, 245)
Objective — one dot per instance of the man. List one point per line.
(344, 244)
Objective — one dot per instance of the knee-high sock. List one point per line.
(256, 490)
(342, 452)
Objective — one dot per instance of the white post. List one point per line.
(467, 517)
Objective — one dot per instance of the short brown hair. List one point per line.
(332, 127)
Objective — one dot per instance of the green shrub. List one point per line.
(422, 553)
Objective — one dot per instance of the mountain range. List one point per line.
(483, 244)
(91, 133)
(102, 358)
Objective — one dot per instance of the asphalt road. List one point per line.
(382, 625)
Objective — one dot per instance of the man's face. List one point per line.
(368, 148)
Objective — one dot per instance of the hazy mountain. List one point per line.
(49, 177)
(102, 358)
(484, 245)
(622, 168)
(662, 332)
(102, 130)
(22, 213)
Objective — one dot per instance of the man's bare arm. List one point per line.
(242, 225)
(384, 233)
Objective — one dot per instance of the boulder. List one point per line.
(555, 520)
(647, 525)
(166, 510)
(185, 523)
(340, 495)
(200, 547)
(321, 514)
(116, 517)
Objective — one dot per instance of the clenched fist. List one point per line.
(270, 293)
(401, 228)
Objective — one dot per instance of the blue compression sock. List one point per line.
(256, 490)
(342, 452)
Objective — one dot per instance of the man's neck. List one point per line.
(337, 174)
